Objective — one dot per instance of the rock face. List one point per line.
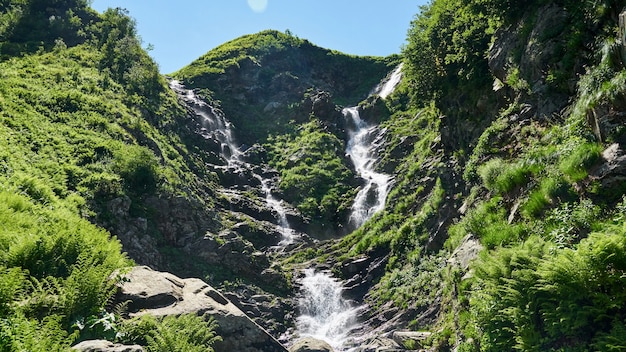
(105, 346)
(309, 344)
(163, 294)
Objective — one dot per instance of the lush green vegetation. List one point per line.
(81, 108)
(313, 173)
(487, 165)
(270, 72)
(86, 118)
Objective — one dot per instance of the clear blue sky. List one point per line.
(181, 31)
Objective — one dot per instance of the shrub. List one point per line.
(184, 333)
(576, 164)
(539, 199)
(488, 221)
(501, 177)
(138, 167)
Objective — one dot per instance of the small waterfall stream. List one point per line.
(219, 128)
(325, 314)
(362, 150)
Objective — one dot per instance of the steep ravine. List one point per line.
(333, 323)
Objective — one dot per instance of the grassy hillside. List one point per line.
(500, 127)
(261, 79)
(82, 114)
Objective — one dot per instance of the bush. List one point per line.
(138, 167)
(185, 333)
(501, 177)
(581, 158)
(528, 299)
(488, 221)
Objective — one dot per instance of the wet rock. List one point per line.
(163, 294)
(378, 344)
(105, 346)
(309, 344)
(369, 270)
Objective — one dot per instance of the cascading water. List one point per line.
(288, 235)
(325, 314)
(215, 124)
(361, 148)
(217, 127)
(383, 90)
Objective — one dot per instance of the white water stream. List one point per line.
(388, 86)
(216, 126)
(325, 314)
(362, 150)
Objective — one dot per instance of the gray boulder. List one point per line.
(105, 346)
(310, 344)
(163, 294)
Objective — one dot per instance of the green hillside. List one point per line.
(84, 116)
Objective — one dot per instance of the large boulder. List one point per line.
(163, 294)
(105, 346)
(310, 344)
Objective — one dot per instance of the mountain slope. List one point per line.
(510, 149)
(84, 117)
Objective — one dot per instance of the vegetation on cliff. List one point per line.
(507, 130)
(284, 93)
(82, 107)
(519, 107)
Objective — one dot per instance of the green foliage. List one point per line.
(138, 167)
(579, 160)
(28, 25)
(501, 177)
(81, 122)
(488, 221)
(446, 45)
(528, 300)
(187, 332)
(314, 176)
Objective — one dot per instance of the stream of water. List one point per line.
(216, 126)
(325, 314)
(361, 148)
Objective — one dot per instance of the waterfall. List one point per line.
(362, 143)
(217, 127)
(324, 313)
(215, 124)
(384, 89)
(288, 235)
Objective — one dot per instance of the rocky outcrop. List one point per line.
(163, 294)
(105, 346)
(309, 344)
(612, 172)
(179, 220)
(414, 339)
(537, 53)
